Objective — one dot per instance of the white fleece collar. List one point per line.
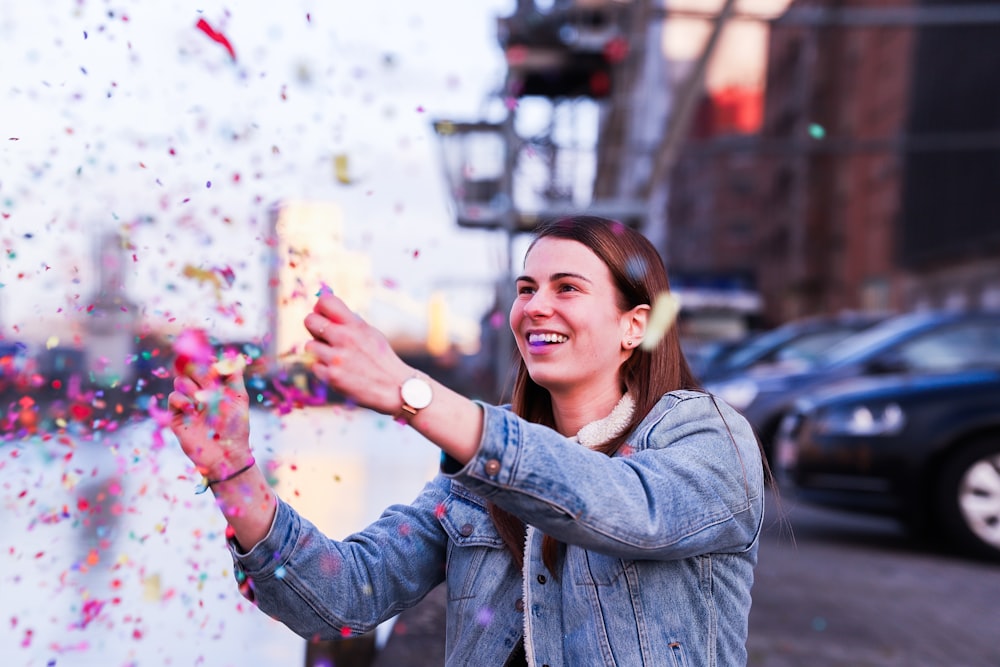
(596, 433)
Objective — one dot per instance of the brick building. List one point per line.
(835, 110)
(871, 184)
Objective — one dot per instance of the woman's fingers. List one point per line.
(179, 402)
(183, 384)
(351, 356)
(317, 325)
(334, 309)
(330, 318)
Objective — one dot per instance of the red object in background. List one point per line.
(729, 110)
(80, 412)
(616, 50)
(216, 36)
(600, 84)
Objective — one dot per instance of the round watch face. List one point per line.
(416, 393)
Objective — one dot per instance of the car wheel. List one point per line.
(969, 497)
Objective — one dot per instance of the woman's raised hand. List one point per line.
(353, 357)
(211, 417)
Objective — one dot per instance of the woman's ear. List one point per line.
(635, 321)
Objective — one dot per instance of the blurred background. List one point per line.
(819, 177)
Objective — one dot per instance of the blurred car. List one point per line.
(800, 343)
(922, 448)
(704, 356)
(913, 343)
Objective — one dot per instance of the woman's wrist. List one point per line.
(225, 465)
(212, 481)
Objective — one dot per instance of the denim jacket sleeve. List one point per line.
(324, 588)
(688, 482)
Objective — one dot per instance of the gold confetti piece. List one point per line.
(229, 365)
(52, 342)
(151, 590)
(661, 318)
(340, 169)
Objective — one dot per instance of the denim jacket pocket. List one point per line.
(466, 520)
(473, 543)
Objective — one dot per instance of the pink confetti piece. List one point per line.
(192, 346)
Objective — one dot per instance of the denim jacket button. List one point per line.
(492, 467)
(519, 605)
(466, 529)
(542, 579)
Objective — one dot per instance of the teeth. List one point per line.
(535, 339)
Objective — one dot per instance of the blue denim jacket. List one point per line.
(661, 545)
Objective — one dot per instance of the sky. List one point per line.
(127, 116)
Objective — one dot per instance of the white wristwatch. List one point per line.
(416, 394)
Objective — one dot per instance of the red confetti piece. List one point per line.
(216, 36)
(192, 346)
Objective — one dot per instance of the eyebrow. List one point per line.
(556, 276)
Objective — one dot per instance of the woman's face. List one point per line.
(565, 318)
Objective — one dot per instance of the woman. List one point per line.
(609, 516)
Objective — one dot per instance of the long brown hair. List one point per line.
(639, 277)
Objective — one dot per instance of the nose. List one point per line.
(538, 305)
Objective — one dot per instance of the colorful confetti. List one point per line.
(111, 558)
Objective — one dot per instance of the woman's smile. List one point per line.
(545, 339)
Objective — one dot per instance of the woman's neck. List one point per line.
(572, 413)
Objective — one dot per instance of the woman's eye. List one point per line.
(567, 288)
(525, 289)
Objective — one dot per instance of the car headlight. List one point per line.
(887, 419)
(737, 393)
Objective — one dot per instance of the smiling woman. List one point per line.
(559, 523)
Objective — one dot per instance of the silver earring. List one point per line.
(628, 343)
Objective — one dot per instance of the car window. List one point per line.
(963, 345)
(812, 347)
(754, 348)
(857, 345)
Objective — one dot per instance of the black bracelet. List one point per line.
(206, 482)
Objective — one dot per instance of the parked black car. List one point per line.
(922, 448)
(800, 344)
(913, 343)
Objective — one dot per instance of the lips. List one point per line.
(548, 338)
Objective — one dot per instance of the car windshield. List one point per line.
(847, 350)
(755, 347)
(810, 348)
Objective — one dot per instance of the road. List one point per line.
(840, 590)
